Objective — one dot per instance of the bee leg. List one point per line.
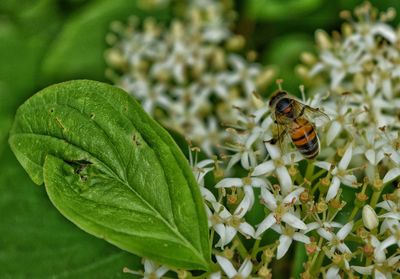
(277, 139)
(273, 141)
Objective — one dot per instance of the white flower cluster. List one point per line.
(344, 206)
(188, 76)
(360, 148)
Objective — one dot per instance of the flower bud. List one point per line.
(369, 217)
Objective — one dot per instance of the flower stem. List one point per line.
(240, 247)
(318, 258)
(254, 251)
(375, 197)
(309, 171)
(353, 213)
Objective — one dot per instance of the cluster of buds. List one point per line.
(189, 75)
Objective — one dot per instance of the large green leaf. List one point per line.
(37, 242)
(113, 171)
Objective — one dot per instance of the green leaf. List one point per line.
(38, 242)
(113, 171)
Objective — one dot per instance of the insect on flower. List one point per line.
(296, 120)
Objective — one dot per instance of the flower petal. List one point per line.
(245, 268)
(263, 168)
(301, 237)
(343, 232)
(323, 165)
(380, 275)
(246, 229)
(387, 242)
(226, 266)
(265, 225)
(259, 182)
(293, 196)
(333, 188)
(365, 270)
(344, 162)
(387, 205)
(371, 156)
(391, 174)
(268, 198)
(215, 275)
(333, 131)
(207, 195)
(333, 272)
(161, 271)
(293, 221)
(284, 244)
(349, 180)
(325, 234)
(284, 178)
(229, 182)
(343, 248)
(273, 150)
(149, 266)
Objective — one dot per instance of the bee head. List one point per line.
(275, 97)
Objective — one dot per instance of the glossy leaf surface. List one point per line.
(113, 171)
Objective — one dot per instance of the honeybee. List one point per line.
(293, 118)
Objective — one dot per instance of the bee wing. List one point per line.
(314, 115)
(283, 138)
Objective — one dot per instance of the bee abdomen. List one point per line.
(306, 141)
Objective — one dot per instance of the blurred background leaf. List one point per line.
(78, 50)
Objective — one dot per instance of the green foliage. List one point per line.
(280, 10)
(78, 50)
(113, 171)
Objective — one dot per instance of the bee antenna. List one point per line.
(279, 83)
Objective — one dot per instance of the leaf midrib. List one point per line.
(116, 176)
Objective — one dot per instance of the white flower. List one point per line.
(392, 174)
(243, 150)
(325, 225)
(382, 267)
(226, 225)
(277, 164)
(393, 239)
(287, 235)
(201, 169)
(339, 173)
(336, 241)
(243, 272)
(243, 74)
(247, 184)
(393, 209)
(281, 210)
(372, 147)
(152, 270)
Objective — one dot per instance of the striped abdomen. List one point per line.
(305, 138)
